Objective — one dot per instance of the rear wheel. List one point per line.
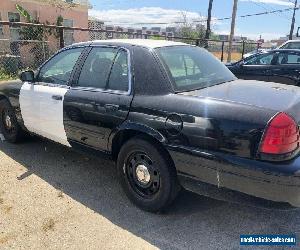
(10, 128)
(147, 175)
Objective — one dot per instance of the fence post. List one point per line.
(243, 51)
(222, 55)
(61, 37)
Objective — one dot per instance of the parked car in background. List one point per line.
(281, 66)
(169, 114)
(253, 52)
(291, 44)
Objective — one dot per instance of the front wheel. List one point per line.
(147, 175)
(9, 126)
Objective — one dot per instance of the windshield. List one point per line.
(193, 68)
(293, 45)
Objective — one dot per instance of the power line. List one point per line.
(261, 13)
(214, 19)
(262, 5)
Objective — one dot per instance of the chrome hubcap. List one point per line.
(142, 174)
(8, 121)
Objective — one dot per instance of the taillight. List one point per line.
(281, 135)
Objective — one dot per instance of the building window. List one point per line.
(1, 28)
(14, 31)
(13, 17)
(68, 34)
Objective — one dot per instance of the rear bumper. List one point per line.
(278, 182)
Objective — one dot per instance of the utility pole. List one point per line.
(293, 21)
(208, 29)
(234, 11)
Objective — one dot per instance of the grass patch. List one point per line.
(235, 56)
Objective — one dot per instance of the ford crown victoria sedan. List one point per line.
(169, 114)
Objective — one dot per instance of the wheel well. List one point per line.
(3, 97)
(123, 136)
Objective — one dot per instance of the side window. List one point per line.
(119, 76)
(96, 69)
(58, 70)
(263, 59)
(288, 58)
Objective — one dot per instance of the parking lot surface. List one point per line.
(54, 198)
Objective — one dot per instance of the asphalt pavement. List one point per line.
(54, 198)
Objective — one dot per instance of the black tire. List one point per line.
(162, 188)
(12, 131)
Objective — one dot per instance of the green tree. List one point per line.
(190, 30)
(37, 33)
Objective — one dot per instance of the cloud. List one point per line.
(254, 36)
(275, 2)
(147, 16)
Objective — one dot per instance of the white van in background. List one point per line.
(291, 44)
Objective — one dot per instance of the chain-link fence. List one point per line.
(26, 46)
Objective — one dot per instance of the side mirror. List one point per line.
(27, 76)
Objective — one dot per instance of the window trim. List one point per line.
(74, 85)
(38, 82)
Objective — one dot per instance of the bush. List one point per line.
(4, 76)
(10, 64)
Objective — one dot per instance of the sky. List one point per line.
(130, 13)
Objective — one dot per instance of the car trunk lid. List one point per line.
(265, 95)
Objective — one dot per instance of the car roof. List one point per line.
(277, 50)
(147, 43)
(285, 50)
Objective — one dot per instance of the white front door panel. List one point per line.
(42, 114)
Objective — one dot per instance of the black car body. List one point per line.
(172, 116)
(280, 65)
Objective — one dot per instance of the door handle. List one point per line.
(111, 107)
(57, 97)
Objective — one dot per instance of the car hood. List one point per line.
(266, 95)
(10, 82)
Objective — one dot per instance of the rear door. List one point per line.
(257, 67)
(100, 97)
(287, 68)
(42, 102)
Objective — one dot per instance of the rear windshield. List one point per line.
(193, 68)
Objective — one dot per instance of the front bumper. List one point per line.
(278, 182)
